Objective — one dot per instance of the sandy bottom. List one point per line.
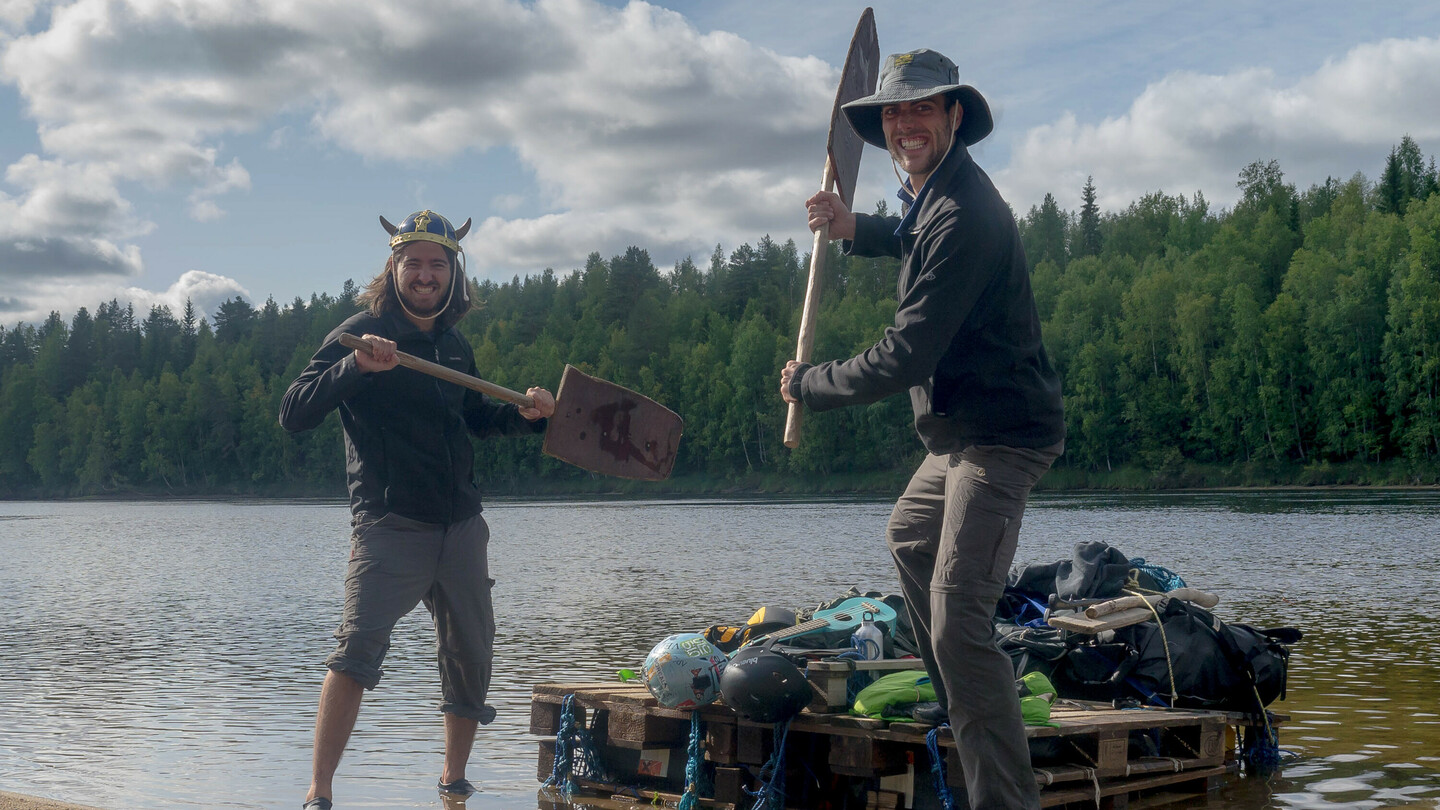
(14, 801)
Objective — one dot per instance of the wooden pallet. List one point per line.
(1092, 750)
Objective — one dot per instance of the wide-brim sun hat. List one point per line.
(911, 77)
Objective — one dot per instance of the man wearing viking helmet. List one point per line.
(417, 533)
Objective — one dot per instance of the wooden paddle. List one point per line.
(842, 166)
(598, 426)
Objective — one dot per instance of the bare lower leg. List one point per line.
(339, 706)
(459, 739)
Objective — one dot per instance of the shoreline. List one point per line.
(16, 801)
(504, 494)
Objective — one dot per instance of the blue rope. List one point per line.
(1261, 750)
(576, 754)
(691, 799)
(1165, 579)
(771, 795)
(859, 679)
(937, 767)
(562, 771)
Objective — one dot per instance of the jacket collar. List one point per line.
(922, 206)
(402, 327)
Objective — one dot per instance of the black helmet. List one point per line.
(763, 686)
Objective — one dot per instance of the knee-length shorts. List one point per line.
(397, 563)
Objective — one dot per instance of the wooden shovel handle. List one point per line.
(410, 361)
(806, 341)
(1201, 598)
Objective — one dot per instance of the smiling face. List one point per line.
(422, 275)
(919, 133)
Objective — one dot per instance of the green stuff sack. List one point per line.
(1037, 694)
(892, 696)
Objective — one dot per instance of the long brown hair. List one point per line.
(381, 295)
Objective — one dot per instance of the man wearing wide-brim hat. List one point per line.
(966, 344)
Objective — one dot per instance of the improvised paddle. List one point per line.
(598, 426)
(842, 166)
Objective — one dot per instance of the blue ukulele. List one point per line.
(845, 616)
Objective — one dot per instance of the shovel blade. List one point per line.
(605, 428)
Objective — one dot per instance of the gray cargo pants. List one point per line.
(953, 535)
(396, 563)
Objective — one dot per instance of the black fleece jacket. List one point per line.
(966, 339)
(406, 445)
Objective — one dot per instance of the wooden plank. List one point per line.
(882, 664)
(882, 800)
(633, 727)
(752, 743)
(860, 756)
(545, 718)
(563, 689)
(720, 743)
(545, 761)
(621, 797)
(1077, 623)
(1112, 752)
(731, 784)
(830, 679)
(1113, 787)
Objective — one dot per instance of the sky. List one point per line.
(156, 151)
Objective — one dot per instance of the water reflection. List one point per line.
(164, 655)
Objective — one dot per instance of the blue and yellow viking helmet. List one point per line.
(426, 226)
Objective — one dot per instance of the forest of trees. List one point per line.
(1293, 338)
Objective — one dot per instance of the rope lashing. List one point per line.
(693, 765)
(1164, 642)
(562, 771)
(576, 754)
(771, 795)
(937, 767)
(1261, 755)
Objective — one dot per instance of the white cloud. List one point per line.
(629, 111)
(65, 199)
(15, 13)
(1189, 131)
(33, 301)
(205, 290)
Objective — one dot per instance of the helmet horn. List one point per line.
(390, 229)
(462, 230)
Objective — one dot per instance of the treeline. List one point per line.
(1294, 337)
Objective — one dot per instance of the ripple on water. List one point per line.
(166, 655)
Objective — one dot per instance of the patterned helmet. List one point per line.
(426, 226)
(683, 671)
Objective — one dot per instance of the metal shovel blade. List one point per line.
(602, 427)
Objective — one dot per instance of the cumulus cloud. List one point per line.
(631, 111)
(34, 301)
(1190, 131)
(70, 221)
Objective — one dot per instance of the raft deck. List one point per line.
(1093, 755)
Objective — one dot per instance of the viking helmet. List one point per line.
(426, 226)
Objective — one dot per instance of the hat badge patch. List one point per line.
(904, 59)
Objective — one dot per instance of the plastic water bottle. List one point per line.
(868, 639)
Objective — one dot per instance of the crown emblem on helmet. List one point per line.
(426, 226)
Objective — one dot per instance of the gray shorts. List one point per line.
(396, 563)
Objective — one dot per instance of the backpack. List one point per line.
(1215, 665)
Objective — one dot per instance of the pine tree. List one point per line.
(1089, 244)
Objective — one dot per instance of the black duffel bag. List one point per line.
(1214, 665)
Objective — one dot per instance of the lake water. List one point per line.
(169, 655)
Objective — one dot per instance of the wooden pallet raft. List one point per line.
(1092, 754)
